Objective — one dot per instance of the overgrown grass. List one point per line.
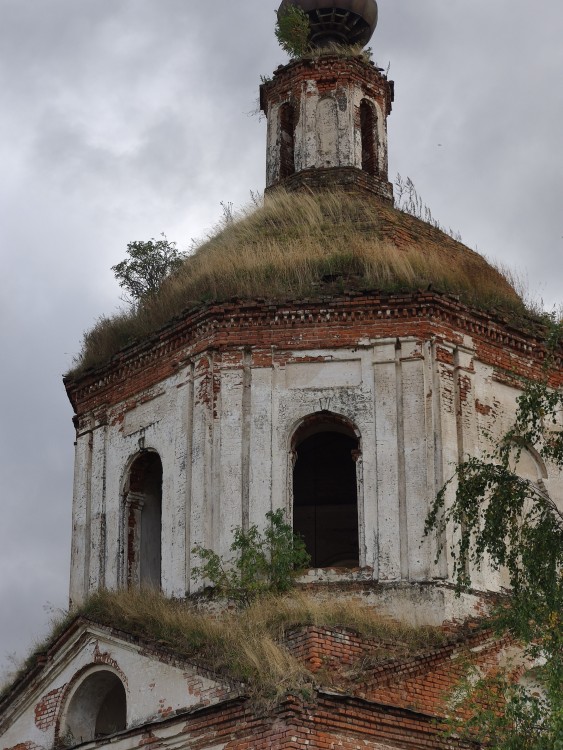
(339, 50)
(309, 245)
(248, 646)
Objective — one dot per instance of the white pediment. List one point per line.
(87, 670)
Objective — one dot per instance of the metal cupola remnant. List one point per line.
(338, 21)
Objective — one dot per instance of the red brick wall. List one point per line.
(47, 708)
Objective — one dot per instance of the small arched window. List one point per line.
(325, 495)
(143, 521)
(97, 708)
(287, 140)
(368, 127)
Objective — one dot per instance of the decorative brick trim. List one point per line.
(344, 321)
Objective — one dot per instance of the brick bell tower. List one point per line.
(343, 403)
(327, 113)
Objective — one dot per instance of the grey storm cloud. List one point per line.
(122, 119)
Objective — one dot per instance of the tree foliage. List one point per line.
(292, 31)
(148, 264)
(520, 726)
(511, 522)
(261, 563)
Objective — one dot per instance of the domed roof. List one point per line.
(303, 244)
(338, 21)
(311, 246)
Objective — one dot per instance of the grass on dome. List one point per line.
(305, 245)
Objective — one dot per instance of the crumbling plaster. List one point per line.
(155, 688)
(222, 426)
(327, 132)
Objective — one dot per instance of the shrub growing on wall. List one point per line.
(262, 562)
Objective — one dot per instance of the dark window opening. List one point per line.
(325, 511)
(368, 126)
(143, 504)
(287, 140)
(97, 709)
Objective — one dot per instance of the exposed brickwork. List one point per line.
(295, 326)
(347, 179)
(25, 746)
(331, 76)
(329, 72)
(426, 683)
(103, 657)
(323, 647)
(396, 703)
(206, 696)
(421, 683)
(328, 723)
(47, 708)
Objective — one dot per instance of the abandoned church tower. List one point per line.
(344, 405)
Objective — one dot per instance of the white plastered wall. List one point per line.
(223, 431)
(325, 131)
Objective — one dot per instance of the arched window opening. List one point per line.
(287, 140)
(527, 464)
(368, 127)
(143, 516)
(97, 708)
(325, 495)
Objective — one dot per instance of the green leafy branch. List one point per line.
(148, 264)
(292, 31)
(262, 562)
(514, 523)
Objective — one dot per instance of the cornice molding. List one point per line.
(214, 325)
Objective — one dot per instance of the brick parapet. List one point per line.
(318, 647)
(421, 682)
(329, 71)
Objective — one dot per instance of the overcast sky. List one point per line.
(122, 119)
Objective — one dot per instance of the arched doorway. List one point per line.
(325, 494)
(143, 521)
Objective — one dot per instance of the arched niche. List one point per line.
(369, 139)
(96, 707)
(327, 132)
(325, 450)
(143, 521)
(527, 463)
(287, 140)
